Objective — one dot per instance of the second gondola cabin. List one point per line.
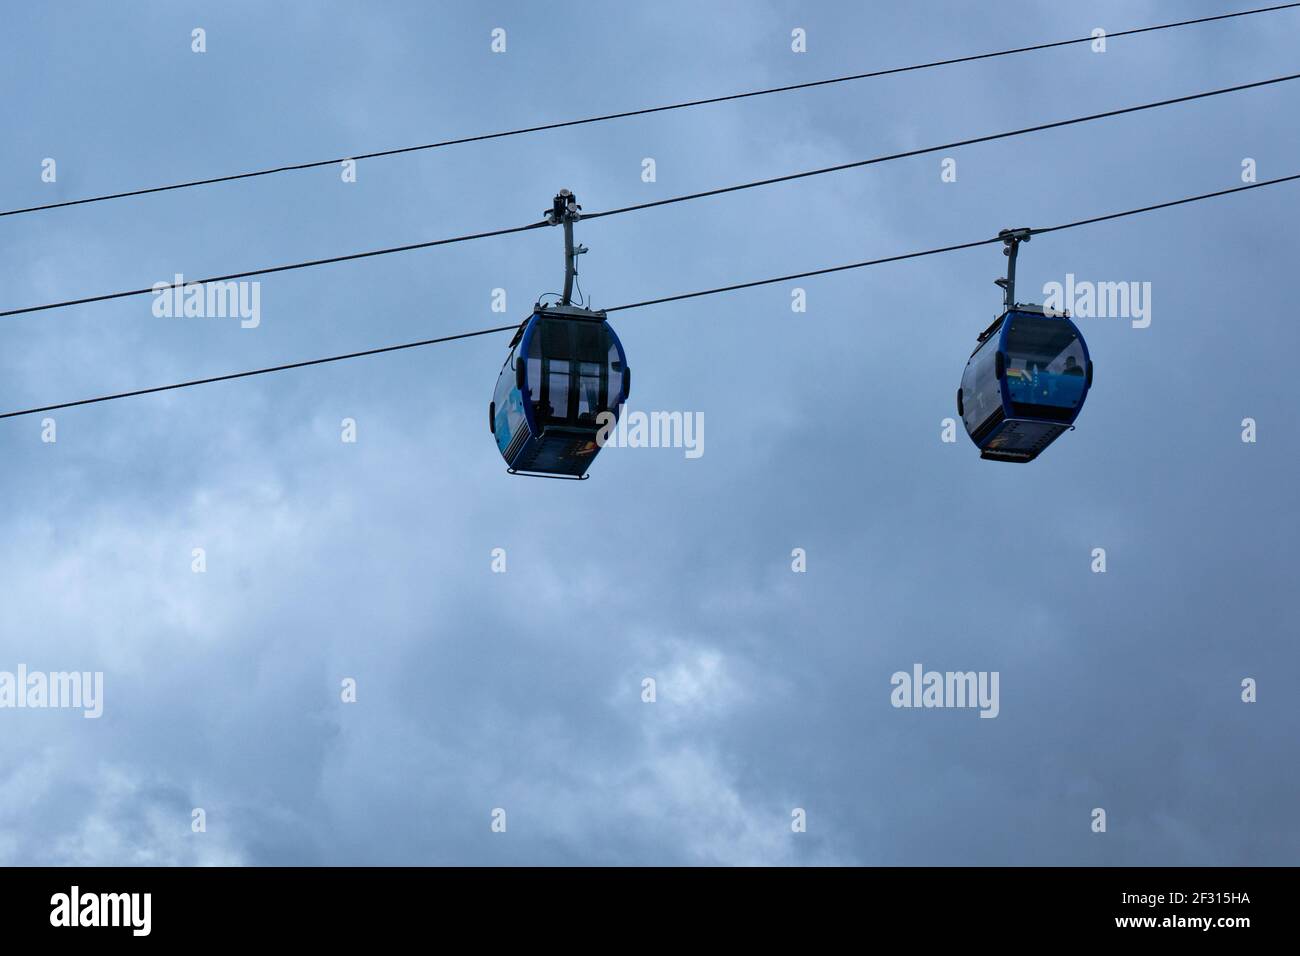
(566, 367)
(1024, 384)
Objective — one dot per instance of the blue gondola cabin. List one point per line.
(566, 367)
(1024, 384)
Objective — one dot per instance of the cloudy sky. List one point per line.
(523, 690)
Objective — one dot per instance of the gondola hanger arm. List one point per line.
(1011, 240)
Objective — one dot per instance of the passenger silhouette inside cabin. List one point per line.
(1072, 366)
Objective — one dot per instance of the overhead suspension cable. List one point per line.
(645, 111)
(659, 202)
(1023, 131)
(952, 248)
(648, 302)
(260, 371)
(268, 270)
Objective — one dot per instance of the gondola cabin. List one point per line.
(1024, 384)
(566, 367)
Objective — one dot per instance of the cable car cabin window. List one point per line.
(555, 340)
(535, 376)
(615, 377)
(555, 392)
(1044, 367)
(589, 344)
(545, 376)
(589, 398)
(509, 406)
(981, 393)
(570, 374)
(505, 382)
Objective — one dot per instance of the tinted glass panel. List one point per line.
(534, 383)
(534, 372)
(510, 411)
(1045, 363)
(981, 397)
(589, 400)
(557, 397)
(573, 370)
(590, 341)
(505, 382)
(555, 339)
(615, 376)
